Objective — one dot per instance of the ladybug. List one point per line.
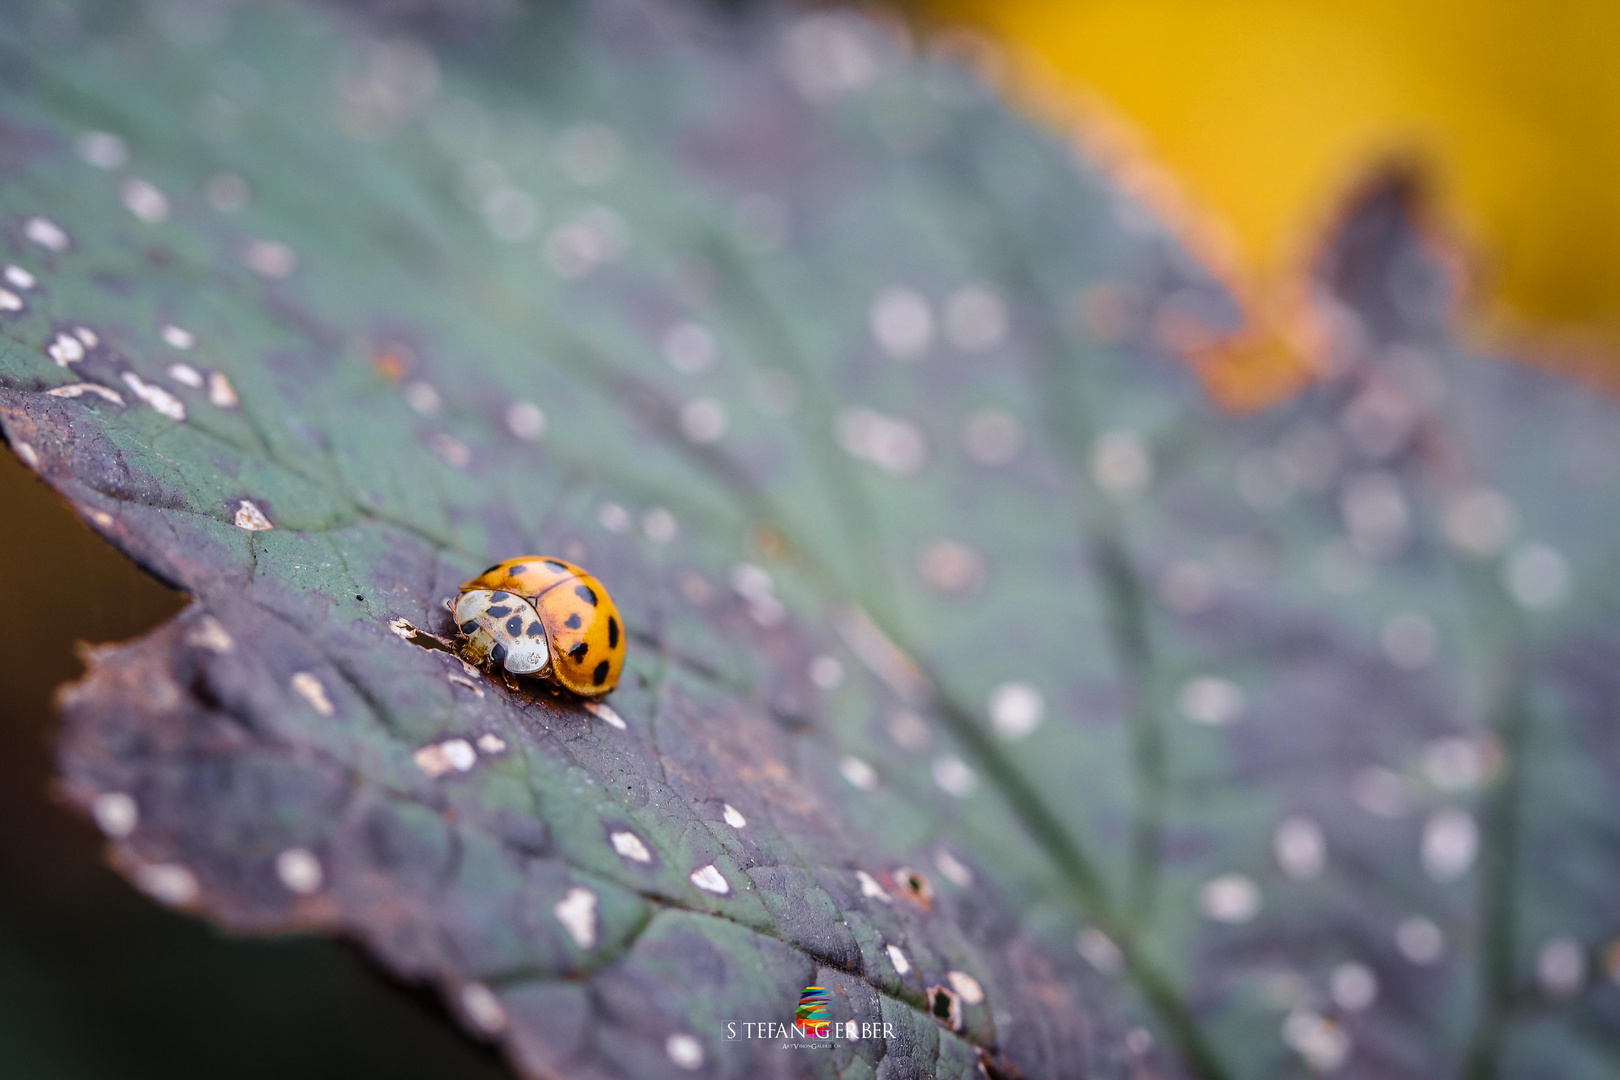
(502, 629)
(583, 632)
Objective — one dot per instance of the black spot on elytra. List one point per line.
(577, 653)
(555, 565)
(584, 593)
(535, 629)
(499, 612)
(516, 570)
(599, 676)
(573, 622)
(613, 632)
(469, 626)
(514, 625)
(498, 654)
(491, 570)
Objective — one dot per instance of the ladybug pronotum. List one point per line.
(580, 643)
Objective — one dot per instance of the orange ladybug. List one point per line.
(582, 623)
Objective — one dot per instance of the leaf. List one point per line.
(852, 390)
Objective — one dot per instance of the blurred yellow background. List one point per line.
(1268, 111)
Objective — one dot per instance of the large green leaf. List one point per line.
(848, 385)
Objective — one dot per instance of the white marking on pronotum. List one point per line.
(630, 846)
(490, 743)
(220, 393)
(952, 868)
(967, 986)
(251, 518)
(76, 389)
(437, 759)
(210, 635)
(46, 233)
(577, 913)
(871, 888)
(858, 772)
(483, 1008)
(898, 959)
(709, 879)
(143, 199)
(155, 396)
(734, 817)
(299, 870)
(65, 349)
(186, 375)
(29, 457)
(177, 337)
(310, 689)
(169, 883)
(605, 713)
(115, 813)
(684, 1050)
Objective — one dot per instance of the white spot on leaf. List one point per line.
(144, 200)
(858, 772)
(115, 813)
(1353, 986)
(605, 713)
(299, 870)
(310, 689)
(709, 879)
(1100, 951)
(703, 421)
(577, 913)
(898, 959)
(896, 446)
(871, 889)
(734, 817)
(953, 776)
(46, 233)
(966, 986)
(952, 868)
(902, 322)
(483, 1008)
(28, 455)
(186, 375)
(1016, 709)
(155, 396)
(168, 883)
(1419, 939)
(102, 149)
(525, 420)
(210, 635)
(684, 1050)
(269, 259)
(220, 393)
(1230, 898)
(1450, 842)
(440, 758)
(251, 518)
(1210, 700)
(65, 349)
(1300, 848)
(18, 278)
(490, 743)
(10, 301)
(630, 846)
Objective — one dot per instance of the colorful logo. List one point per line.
(811, 1015)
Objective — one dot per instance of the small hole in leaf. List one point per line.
(945, 1006)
